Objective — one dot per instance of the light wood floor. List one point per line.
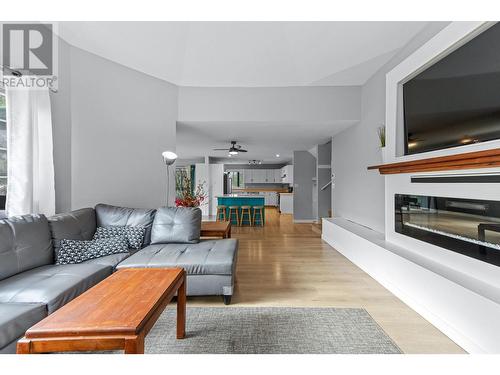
(286, 264)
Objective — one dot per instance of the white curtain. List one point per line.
(30, 164)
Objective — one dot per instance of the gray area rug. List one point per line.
(271, 330)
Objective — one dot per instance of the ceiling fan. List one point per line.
(235, 149)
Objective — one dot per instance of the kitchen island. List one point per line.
(239, 200)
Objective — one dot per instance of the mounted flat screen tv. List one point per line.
(456, 101)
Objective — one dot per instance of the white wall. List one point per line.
(216, 185)
(202, 176)
(121, 121)
(456, 293)
(359, 194)
(481, 337)
(269, 104)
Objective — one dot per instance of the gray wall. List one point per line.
(111, 124)
(324, 175)
(359, 194)
(61, 125)
(304, 169)
(122, 120)
(269, 104)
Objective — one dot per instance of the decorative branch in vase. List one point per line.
(186, 195)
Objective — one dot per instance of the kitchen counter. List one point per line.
(240, 196)
(242, 200)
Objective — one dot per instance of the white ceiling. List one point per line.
(262, 140)
(246, 54)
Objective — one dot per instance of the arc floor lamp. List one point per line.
(169, 158)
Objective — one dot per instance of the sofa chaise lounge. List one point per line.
(32, 286)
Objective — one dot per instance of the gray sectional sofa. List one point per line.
(32, 286)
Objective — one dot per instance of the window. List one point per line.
(3, 150)
(184, 180)
(236, 179)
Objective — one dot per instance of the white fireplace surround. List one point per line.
(456, 293)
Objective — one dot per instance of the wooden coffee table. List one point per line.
(115, 314)
(220, 229)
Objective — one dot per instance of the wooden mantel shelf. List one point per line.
(470, 160)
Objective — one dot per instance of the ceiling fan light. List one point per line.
(233, 152)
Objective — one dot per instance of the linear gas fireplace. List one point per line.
(467, 226)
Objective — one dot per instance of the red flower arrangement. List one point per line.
(189, 201)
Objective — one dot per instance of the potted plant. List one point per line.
(381, 138)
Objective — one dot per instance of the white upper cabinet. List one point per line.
(277, 176)
(270, 176)
(263, 176)
(287, 174)
(248, 176)
(259, 176)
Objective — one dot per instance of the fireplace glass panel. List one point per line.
(467, 226)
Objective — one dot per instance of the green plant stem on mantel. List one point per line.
(381, 135)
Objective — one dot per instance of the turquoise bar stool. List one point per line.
(246, 210)
(234, 211)
(221, 213)
(260, 211)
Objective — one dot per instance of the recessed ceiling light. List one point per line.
(277, 155)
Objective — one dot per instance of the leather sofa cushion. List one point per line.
(176, 225)
(52, 285)
(16, 318)
(25, 243)
(108, 260)
(107, 215)
(75, 225)
(210, 257)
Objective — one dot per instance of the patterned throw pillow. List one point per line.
(134, 235)
(75, 251)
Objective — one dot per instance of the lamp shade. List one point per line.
(169, 157)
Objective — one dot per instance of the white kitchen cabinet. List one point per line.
(277, 176)
(286, 203)
(247, 176)
(269, 176)
(287, 174)
(263, 176)
(259, 176)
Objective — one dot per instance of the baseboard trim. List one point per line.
(304, 221)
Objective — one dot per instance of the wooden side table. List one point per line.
(219, 229)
